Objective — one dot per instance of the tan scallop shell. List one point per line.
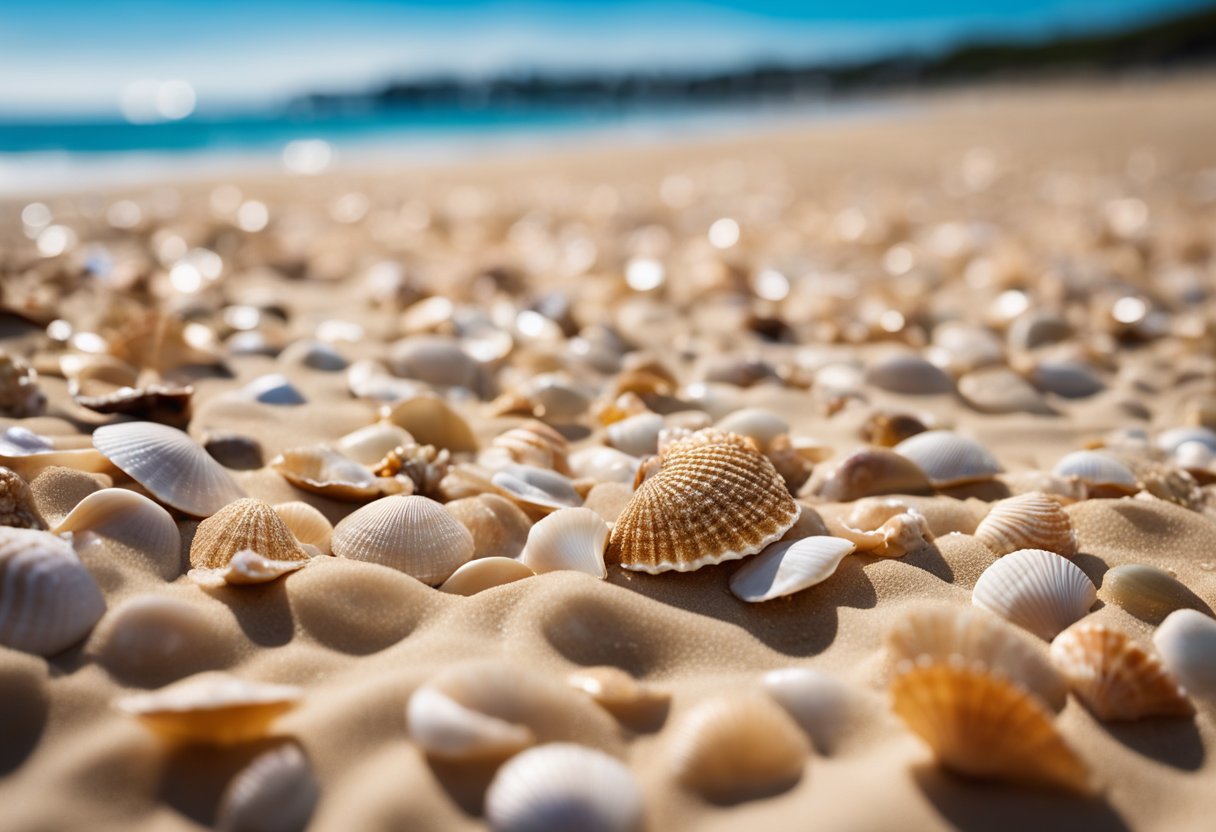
(949, 459)
(715, 498)
(786, 567)
(245, 524)
(1146, 592)
(307, 524)
(174, 468)
(1116, 677)
(1037, 590)
(413, 534)
(246, 567)
(868, 472)
(485, 573)
(133, 521)
(499, 527)
(616, 691)
(57, 490)
(432, 421)
(1028, 521)
(277, 792)
(534, 443)
(983, 726)
(212, 708)
(322, 470)
(569, 538)
(737, 747)
(17, 507)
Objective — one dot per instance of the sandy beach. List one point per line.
(1027, 271)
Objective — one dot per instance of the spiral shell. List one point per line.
(1037, 590)
(949, 459)
(277, 792)
(245, 524)
(786, 567)
(413, 534)
(212, 708)
(1028, 521)
(48, 599)
(569, 538)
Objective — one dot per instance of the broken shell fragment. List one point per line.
(324, 471)
(246, 567)
(212, 708)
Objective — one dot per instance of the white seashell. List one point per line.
(960, 348)
(1028, 521)
(949, 459)
(371, 380)
(315, 354)
(246, 567)
(436, 360)
(485, 573)
(275, 388)
(174, 468)
(1173, 439)
(415, 535)
(784, 568)
(432, 421)
(27, 453)
(1095, 468)
(1067, 378)
(140, 526)
(48, 599)
(450, 730)
(604, 464)
(822, 705)
(322, 470)
(307, 523)
(212, 708)
(759, 425)
(1037, 590)
(909, 375)
(1193, 456)
(569, 538)
(1001, 390)
(277, 792)
(369, 445)
(636, 435)
(1186, 641)
(538, 488)
(562, 786)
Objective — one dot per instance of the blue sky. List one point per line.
(78, 55)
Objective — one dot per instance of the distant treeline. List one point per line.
(1184, 40)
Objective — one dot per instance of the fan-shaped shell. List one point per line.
(174, 468)
(48, 599)
(245, 524)
(1116, 677)
(569, 538)
(981, 725)
(1186, 641)
(786, 567)
(413, 534)
(757, 424)
(1001, 390)
(537, 488)
(1028, 521)
(715, 498)
(307, 524)
(564, 786)
(1037, 590)
(368, 445)
(1146, 592)
(246, 567)
(211, 707)
(636, 435)
(133, 521)
(499, 527)
(485, 573)
(949, 459)
(432, 421)
(739, 747)
(277, 792)
(909, 375)
(1096, 469)
(324, 471)
(868, 472)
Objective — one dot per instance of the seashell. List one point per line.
(431, 421)
(1097, 469)
(534, 443)
(564, 786)
(1065, 491)
(537, 488)
(57, 490)
(622, 407)
(1001, 390)
(715, 498)
(20, 395)
(946, 633)
(315, 354)
(1028, 521)
(436, 360)
(152, 639)
(1066, 378)
(28, 454)
(759, 425)
(909, 375)
(173, 467)
(322, 470)
(786, 567)
(414, 535)
(826, 708)
(1174, 439)
(868, 472)
(369, 445)
(794, 459)
(371, 380)
(139, 525)
(569, 538)
(949, 459)
(1038, 328)
(1117, 678)
(499, 527)
(616, 691)
(307, 524)
(960, 348)
(244, 524)
(274, 389)
(554, 397)
(424, 465)
(1037, 590)
(735, 748)
(17, 502)
(636, 435)
(166, 404)
(246, 567)
(48, 599)
(984, 726)
(233, 450)
(603, 464)
(888, 429)
(277, 792)
(1194, 456)
(1146, 592)
(211, 708)
(1186, 641)
(481, 574)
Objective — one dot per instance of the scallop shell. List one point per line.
(786, 567)
(868, 472)
(29, 454)
(735, 748)
(368, 445)
(133, 521)
(245, 524)
(499, 527)
(983, 726)
(759, 425)
(537, 488)
(1146, 592)
(275, 389)
(17, 502)
(246, 567)
(315, 354)
(174, 468)
(1067, 378)
(485, 573)
(1001, 390)
(616, 691)
(564, 786)
(277, 792)
(604, 464)
(212, 708)
(307, 524)
(48, 599)
(949, 459)
(1028, 521)
(432, 421)
(534, 443)
(1096, 469)
(413, 534)
(715, 498)
(1186, 641)
(1117, 678)
(58, 490)
(909, 375)
(636, 435)
(322, 470)
(1037, 590)
(569, 538)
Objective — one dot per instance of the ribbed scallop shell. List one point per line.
(981, 725)
(562, 786)
(869, 472)
(133, 521)
(432, 421)
(738, 747)
(715, 498)
(569, 538)
(786, 567)
(245, 568)
(413, 534)
(499, 527)
(322, 470)
(1028, 521)
(1096, 468)
(1186, 641)
(245, 524)
(173, 467)
(949, 459)
(48, 599)
(909, 375)
(485, 573)
(1116, 677)
(277, 792)
(1146, 592)
(212, 708)
(534, 443)
(1037, 590)
(306, 523)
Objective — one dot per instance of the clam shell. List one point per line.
(274, 389)
(432, 421)
(715, 498)
(636, 435)
(244, 568)
(983, 726)
(485, 573)
(139, 525)
(569, 538)
(435, 360)
(17, 508)
(306, 523)
(29, 454)
(174, 468)
(58, 490)
(48, 599)
(616, 691)
(564, 786)
(244, 524)
(1186, 641)
(1066, 378)
(949, 459)
(1146, 592)
(324, 471)
(413, 534)
(1028, 521)
(759, 425)
(784, 568)
(1117, 678)
(368, 445)
(909, 375)
(1037, 590)
(499, 527)
(604, 464)
(212, 708)
(1096, 469)
(277, 792)
(537, 488)
(315, 354)
(739, 747)
(1001, 390)
(868, 472)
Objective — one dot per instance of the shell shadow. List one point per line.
(194, 777)
(464, 782)
(1174, 742)
(1092, 565)
(928, 558)
(262, 611)
(22, 719)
